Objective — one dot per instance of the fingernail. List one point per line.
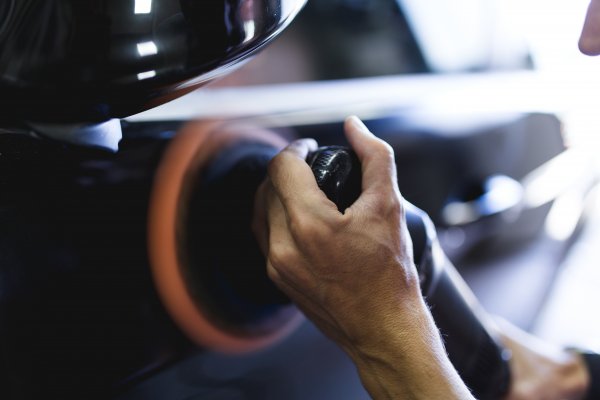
(301, 144)
(358, 124)
(311, 143)
(308, 142)
(298, 143)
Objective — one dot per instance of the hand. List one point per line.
(349, 272)
(353, 274)
(541, 370)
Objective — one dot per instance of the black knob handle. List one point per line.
(338, 174)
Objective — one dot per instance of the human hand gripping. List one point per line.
(353, 274)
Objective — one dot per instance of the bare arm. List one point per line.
(353, 273)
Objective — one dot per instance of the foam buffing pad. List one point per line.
(207, 266)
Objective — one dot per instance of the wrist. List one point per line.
(394, 313)
(408, 360)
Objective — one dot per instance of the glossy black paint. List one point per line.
(79, 315)
(88, 61)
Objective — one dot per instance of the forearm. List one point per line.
(399, 364)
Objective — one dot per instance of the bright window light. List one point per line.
(145, 75)
(143, 6)
(250, 30)
(147, 49)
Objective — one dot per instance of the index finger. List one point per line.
(291, 176)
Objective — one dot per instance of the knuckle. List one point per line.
(280, 256)
(272, 273)
(301, 227)
(384, 149)
(395, 207)
(304, 230)
(339, 223)
(389, 206)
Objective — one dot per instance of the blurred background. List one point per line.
(491, 111)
